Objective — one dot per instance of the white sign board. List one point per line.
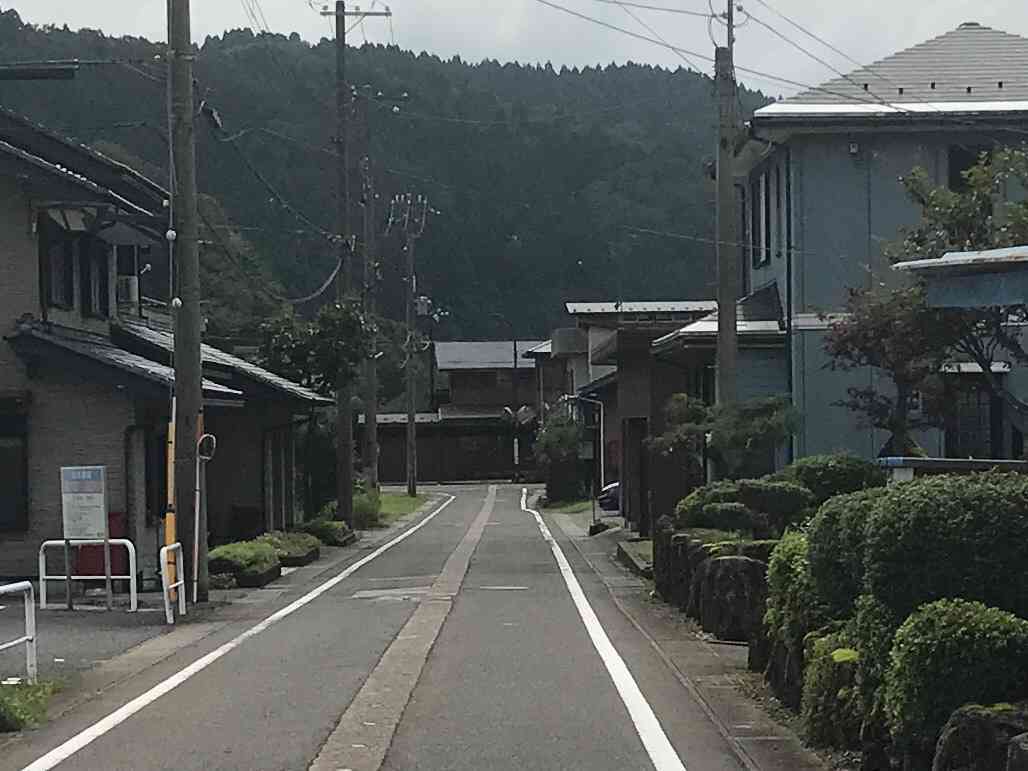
(84, 502)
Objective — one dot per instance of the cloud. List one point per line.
(528, 31)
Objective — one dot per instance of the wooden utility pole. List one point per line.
(728, 283)
(183, 244)
(344, 388)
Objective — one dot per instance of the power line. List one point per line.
(647, 7)
(627, 8)
(755, 73)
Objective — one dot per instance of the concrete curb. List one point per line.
(633, 561)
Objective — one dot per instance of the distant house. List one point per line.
(85, 373)
(821, 198)
(482, 391)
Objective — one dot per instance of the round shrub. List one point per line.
(829, 475)
(793, 607)
(330, 532)
(947, 654)
(773, 505)
(733, 517)
(950, 536)
(830, 709)
(837, 536)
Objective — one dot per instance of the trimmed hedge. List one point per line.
(837, 547)
(253, 563)
(950, 536)
(830, 710)
(754, 505)
(947, 654)
(293, 549)
(793, 606)
(829, 475)
(330, 532)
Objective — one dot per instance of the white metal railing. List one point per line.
(168, 586)
(24, 588)
(131, 577)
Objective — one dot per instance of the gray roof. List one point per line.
(990, 260)
(757, 314)
(491, 354)
(656, 306)
(543, 349)
(958, 72)
(165, 341)
(103, 351)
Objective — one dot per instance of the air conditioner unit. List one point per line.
(128, 290)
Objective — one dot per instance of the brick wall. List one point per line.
(72, 422)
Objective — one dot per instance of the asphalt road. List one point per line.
(470, 617)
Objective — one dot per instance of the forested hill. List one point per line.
(535, 172)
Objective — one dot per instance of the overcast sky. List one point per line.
(528, 31)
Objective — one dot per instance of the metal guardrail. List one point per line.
(168, 586)
(24, 588)
(131, 577)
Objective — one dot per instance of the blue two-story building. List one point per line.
(821, 199)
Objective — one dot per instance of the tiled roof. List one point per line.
(165, 342)
(656, 306)
(972, 69)
(103, 351)
(491, 354)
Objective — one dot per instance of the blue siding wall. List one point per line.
(762, 373)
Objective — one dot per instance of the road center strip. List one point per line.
(655, 741)
(119, 716)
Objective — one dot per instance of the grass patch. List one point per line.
(570, 507)
(396, 505)
(24, 706)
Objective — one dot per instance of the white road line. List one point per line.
(119, 716)
(657, 745)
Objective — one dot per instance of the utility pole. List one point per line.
(415, 217)
(370, 311)
(183, 244)
(344, 389)
(728, 282)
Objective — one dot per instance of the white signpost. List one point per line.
(84, 512)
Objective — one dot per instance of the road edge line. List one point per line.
(687, 682)
(655, 741)
(103, 726)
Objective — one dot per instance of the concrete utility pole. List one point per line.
(370, 287)
(344, 389)
(185, 248)
(728, 283)
(415, 217)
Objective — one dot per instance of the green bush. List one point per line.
(793, 607)
(243, 559)
(755, 550)
(830, 710)
(366, 509)
(837, 547)
(24, 705)
(950, 536)
(330, 532)
(872, 630)
(947, 654)
(770, 505)
(290, 546)
(829, 475)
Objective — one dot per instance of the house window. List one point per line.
(60, 273)
(93, 264)
(963, 158)
(779, 212)
(14, 488)
(754, 226)
(766, 230)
